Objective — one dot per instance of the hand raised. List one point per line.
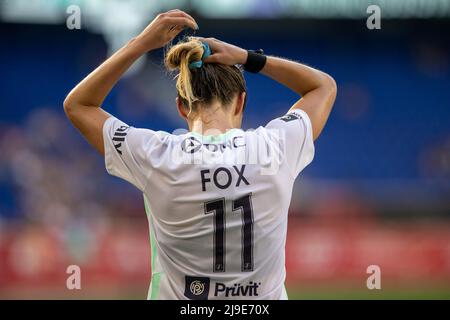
(164, 28)
(224, 53)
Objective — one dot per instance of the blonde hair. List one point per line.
(210, 82)
(179, 57)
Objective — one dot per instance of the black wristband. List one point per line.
(256, 60)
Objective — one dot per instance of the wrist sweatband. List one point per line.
(256, 60)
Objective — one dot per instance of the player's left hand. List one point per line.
(224, 53)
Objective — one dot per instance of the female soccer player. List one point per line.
(217, 197)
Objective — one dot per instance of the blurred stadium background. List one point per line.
(378, 191)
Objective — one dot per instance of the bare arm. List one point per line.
(83, 104)
(317, 89)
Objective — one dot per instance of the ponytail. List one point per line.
(202, 84)
(179, 57)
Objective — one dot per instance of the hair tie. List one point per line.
(206, 54)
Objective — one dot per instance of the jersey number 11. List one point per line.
(217, 206)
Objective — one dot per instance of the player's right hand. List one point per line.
(164, 28)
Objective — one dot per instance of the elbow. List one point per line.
(69, 106)
(331, 85)
(329, 88)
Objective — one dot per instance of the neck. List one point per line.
(212, 121)
(210, 128)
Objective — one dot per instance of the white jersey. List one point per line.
(217, 205)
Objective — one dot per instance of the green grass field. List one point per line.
(438, 294)
(423, 292)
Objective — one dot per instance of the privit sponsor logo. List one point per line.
(237, 289)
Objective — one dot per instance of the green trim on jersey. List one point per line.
(214, 138)
(156, 276)
(155, 285)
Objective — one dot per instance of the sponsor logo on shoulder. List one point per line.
(290, 117)
(119, 137)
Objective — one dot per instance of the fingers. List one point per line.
(212, 42)
(214, 45)
(209, 40)
(179, 18)
(175, 30)
(181, 21)
(179, 13)
(215, 58)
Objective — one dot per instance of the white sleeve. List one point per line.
(296, 134)
(127, 151)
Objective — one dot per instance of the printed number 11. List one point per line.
(218, 208)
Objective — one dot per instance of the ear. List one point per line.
(240, 103)
(181, 110)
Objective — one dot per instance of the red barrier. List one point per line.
(403, 252)
(34, 257)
